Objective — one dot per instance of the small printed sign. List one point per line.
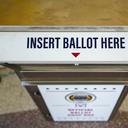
(64, 47)
(81, 102)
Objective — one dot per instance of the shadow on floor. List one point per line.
(34, 119)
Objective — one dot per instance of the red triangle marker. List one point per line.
(75, 54)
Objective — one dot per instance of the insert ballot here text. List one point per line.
(76, 42)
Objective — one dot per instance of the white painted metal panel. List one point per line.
(97, 108)
(87, 46)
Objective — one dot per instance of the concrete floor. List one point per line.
(13, 97)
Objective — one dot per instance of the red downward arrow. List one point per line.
(75, 54)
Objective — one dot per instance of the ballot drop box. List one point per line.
(72, 73)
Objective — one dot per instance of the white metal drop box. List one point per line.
(72, 73)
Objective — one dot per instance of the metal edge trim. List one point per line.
(38, 99)
(8, 28)
(119, 102)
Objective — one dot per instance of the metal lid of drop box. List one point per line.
(37, 74)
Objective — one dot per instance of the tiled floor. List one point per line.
(34, 119)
